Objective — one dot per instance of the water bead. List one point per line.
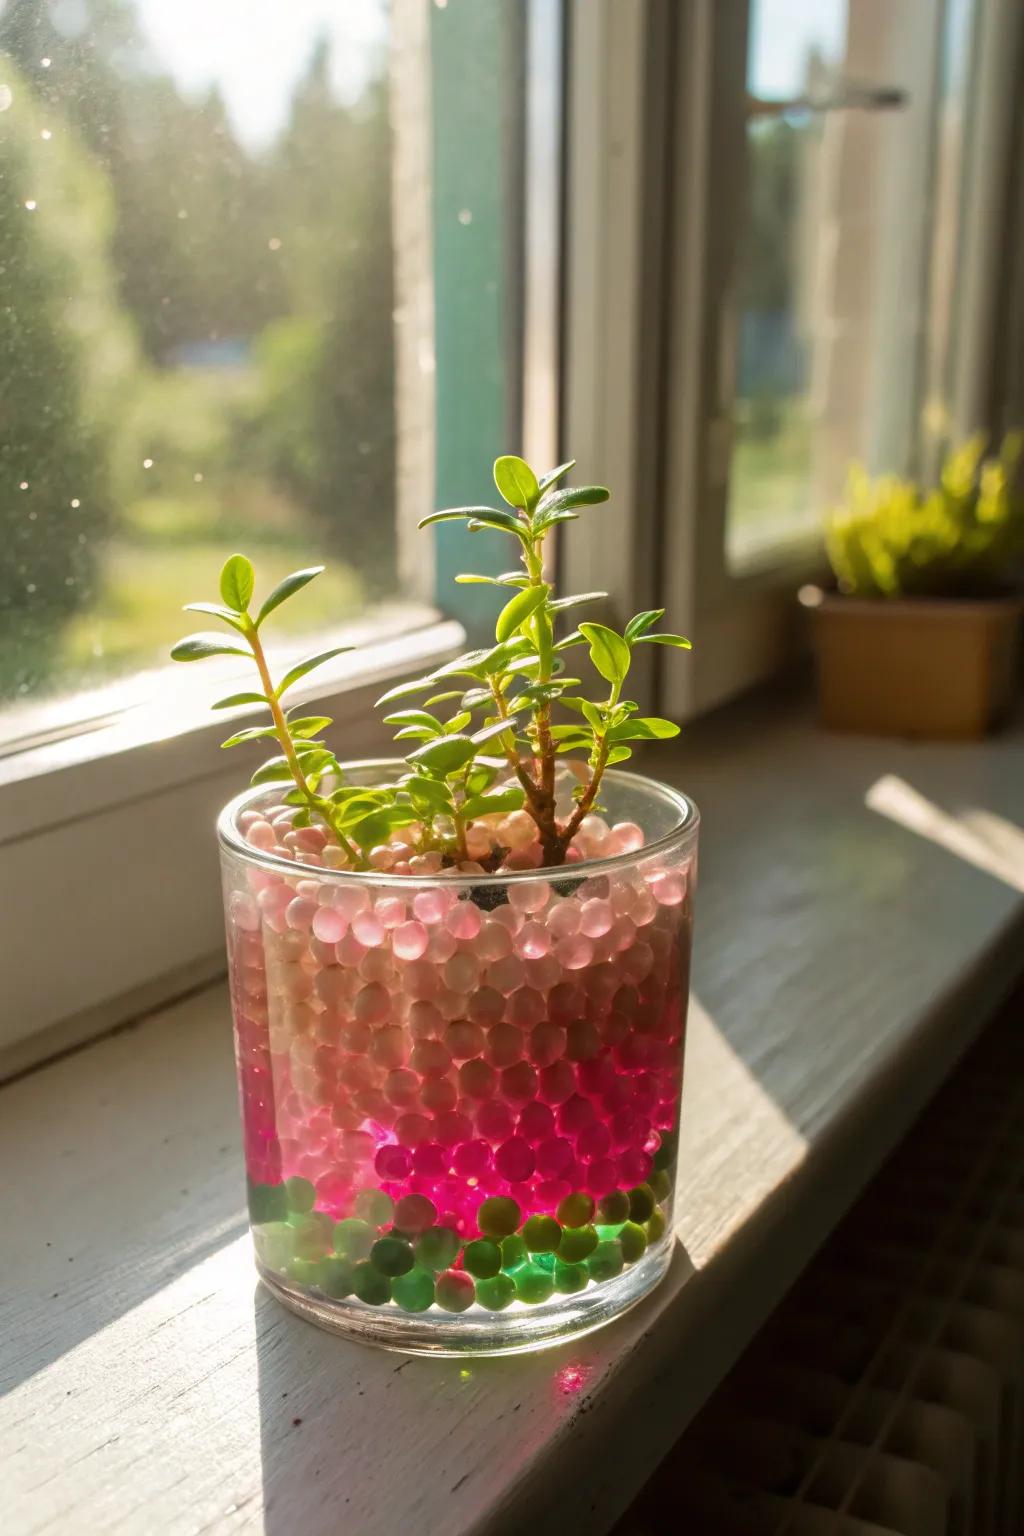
(518, 1083)
(463, 920)
(529, 895)
(641, 1203)
(570, 1278)
(533, 1284)
(412, 1129)
(414, 1213)
(353, 1238)
(542, 1234)
(438, 1095)
(472, 1159)
(348, 950)
(414, 1291)
(478, 1079)
(389, 1046)
(495, 1121)
(430, 906)
(517, 830)
(632, 1241)
(393, 1162)
(371, 1004)
(392, 1256)
(515, 1159)
(496, 1293)
(498, 1217)
(334, 1277)
(482, 1258)
(401, 1087)
(451, 1126)
(260, 834)
(532, 941)
(660, 1184)
(420, 980)
(425, 1020)
(563, 919)
(408, 940)
(463, 1040)
(557, 1083)
(536, 1122)
(594, 1141)
(606, 1261)
(430, 1160)
(440, 946)
(301, 1195)
(574, 953)
(455, 1291)
(576, 1210)
(486, 1006)
(429, 1058)
(667, 887)
(577, 1244)
(601, 1177)
(436, 1247)
(546, 1044)
(627, 837)
(370, 1285)
(554, 1157)
(596, 918)
(312, 1236)
(375, 1207)
(503, 1045)
(656, 1226)
(462, 972)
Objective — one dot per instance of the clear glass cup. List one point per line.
(460, 1093)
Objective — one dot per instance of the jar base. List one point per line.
(515, 1331)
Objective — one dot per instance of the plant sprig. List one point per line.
(504, 698)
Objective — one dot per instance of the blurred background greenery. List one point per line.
(196, 331)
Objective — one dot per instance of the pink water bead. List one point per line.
(596, 918)
(529, 895)
(495, 941)
(495, 1122)
(462, 972)
(517, 830)
(515, 1159)
(372, 1003)
(668, 887)
(393, 1162)
(261, 835)
(472, 1159)
(430, 906)
(463, 920)
(368, 928)
(408, 940)
(532, 941)
(329, 924)
(574, 953)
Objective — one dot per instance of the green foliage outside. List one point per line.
(196, 341)
(891, 538)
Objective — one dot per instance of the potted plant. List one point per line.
(459, 977)
(921, 638)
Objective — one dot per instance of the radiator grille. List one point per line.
(885, 1397)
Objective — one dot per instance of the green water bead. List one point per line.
(312, 1235)
(455, 1291)
(335, 1278)
(656, 1226)
(267, 1202)
(613, 1209)
(301, 1194)
(414, 1292)
(304, 1271)
(641, 1203)
(605, 1234)
(570, 1278)
(542, 1234)
(370, 1285)
(392, 1256)
(499, 1216)
(353, 1238)
(482, 1258)
(533, 1284)
(666, 1152)
(576, 1210)
(496, 1293)
(660, 1184)
(415, 1213)
(436, 1247)
(375, 1207)
(274, 1243)
(632, 1241)
(513, 1251)
(606, 1260)
(577, 1243)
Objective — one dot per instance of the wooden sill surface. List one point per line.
(844, 960)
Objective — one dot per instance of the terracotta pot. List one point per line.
(942, 669)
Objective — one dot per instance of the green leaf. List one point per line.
(285, 589)
(642, 621)
(554, 475)
(402, 690)
(309, 725)
(198, 647)
(302, 667)
(253, 733)
(510, 579)
(481, 774)
(237, 580)
(543, 521)
(564, 732)
(592, 714)
(575, 496)
(644, 728)
(378, 825)
(678, 641)
(234, 700)
(518, 610)
(578, 743)
(618, 755)
(273, 771)
(420, 717)
(415, 733)
(574, 637)
(453, 513)
(608, 651)
(496, 728)
(560, 604)
(516, 481)
(505, 522)
(457, 722)
(445, 755)
(217, 612)
(429, 792)
(503, 800)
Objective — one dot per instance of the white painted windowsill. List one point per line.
(844, 960)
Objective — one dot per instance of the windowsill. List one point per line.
(843, 963)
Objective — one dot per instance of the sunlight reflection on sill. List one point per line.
(979, 837)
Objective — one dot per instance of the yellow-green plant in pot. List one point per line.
(921, 638)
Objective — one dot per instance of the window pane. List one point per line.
(217, 319)
(846, 136)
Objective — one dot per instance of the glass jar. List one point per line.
(460, 1092)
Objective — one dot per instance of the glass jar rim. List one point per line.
(232, 840)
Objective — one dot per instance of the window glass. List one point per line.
(217, 316)
(850, 200)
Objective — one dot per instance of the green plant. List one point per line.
(497, 753)
(892, 539)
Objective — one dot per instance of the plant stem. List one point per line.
(318, 803)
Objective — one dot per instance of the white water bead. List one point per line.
(494, 942)
(368, 928)
(391, 911)
(525, 1007)
(517, 830)
(334, 986)
(563, 918)
(441, 945)
(479, 841)
(451, 1004)
(371, 1004)
(425, 1020)
(462, 971)
(333, 857)
(543, 973)
(408, 940)
(506, 975)
(382, 857)
(596, 918)
(574, 953)
(425, 863)
(349, 950)
(486, 1005)
(420, 980)
(377, 965)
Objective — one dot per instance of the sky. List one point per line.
(781, 34)
(255, 50)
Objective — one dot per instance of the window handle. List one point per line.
(849, 96)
